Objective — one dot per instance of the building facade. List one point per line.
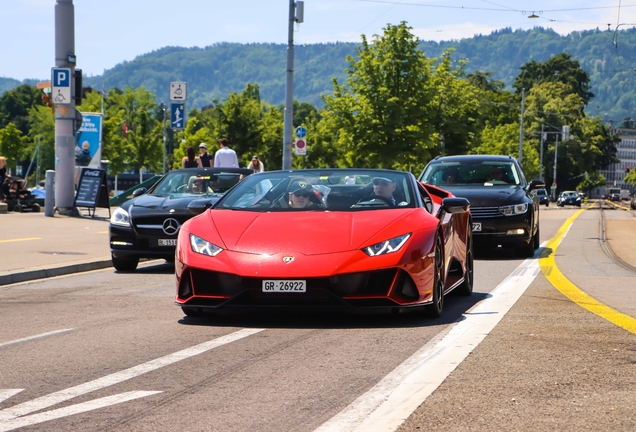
(626, 154)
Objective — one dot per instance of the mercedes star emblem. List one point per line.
(171, 226)
(288, 259)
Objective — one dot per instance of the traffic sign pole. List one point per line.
(64, 109)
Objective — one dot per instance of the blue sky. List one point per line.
(108, 32)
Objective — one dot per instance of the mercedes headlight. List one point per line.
(513, 209)
(204, 247)
(387, 246)
(120, 217)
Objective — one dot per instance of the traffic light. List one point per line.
(78, 87)
(627, 168)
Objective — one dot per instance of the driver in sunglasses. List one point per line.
(384, 187)
(299, 192)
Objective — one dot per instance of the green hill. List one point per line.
(214, 71)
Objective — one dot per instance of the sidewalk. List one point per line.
(33, 246)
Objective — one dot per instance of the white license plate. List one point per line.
(476, 226)
(284, 286)
(167, 242)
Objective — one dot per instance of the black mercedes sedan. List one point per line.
(504, 211)
(147, 225)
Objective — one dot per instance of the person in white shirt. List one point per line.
(256, 164)
(225, 157)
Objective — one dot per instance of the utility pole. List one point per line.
(164, 140)
(65, 114)
(541, 155)
(554, 182)
(296, 12)
(523, 101)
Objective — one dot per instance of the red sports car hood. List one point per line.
(309, 233)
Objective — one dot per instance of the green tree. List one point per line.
(15, 105)
(381, 116)
(12, 144)
(557, 69)
(42, 129)
(591, 181)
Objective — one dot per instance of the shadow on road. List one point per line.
(454, 309)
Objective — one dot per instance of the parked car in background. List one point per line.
(503, 208)
(632, 202)
(542, 196)
(614, 196)
(569, 198)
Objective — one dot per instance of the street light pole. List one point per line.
(554, 182)
(289, 84)
(164, 140)
(541, 155)
(523, 101)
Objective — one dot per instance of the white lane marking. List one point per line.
(7, 393)
(39, 336)
(390, 402)
(16, 423)
(118, 377)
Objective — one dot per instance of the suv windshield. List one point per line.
(471, 172)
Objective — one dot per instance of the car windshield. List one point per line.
(192, 183)
(471, 172)
(541, 192)
(322, 190)
(570, 194)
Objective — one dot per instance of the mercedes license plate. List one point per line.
(284, 286)
(167, 242)
(476, 226)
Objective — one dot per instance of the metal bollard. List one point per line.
(49, 199)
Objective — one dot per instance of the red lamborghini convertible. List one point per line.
(325, 238)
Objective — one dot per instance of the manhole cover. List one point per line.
(61, 253)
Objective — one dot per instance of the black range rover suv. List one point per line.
(504, 212)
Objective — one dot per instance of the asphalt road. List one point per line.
(125, 358)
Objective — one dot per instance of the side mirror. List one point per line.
(455, 205)
(199, 206)
(536, 184)
(139, 191)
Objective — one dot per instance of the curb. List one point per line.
(44, 273)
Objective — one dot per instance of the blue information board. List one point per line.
(177, 116)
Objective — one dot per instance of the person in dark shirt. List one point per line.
(204, 156)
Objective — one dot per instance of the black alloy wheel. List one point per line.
(536, 240)
(434, 310)
(466, 288)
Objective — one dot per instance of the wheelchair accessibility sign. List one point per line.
(61, 86)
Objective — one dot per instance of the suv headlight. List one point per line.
(513, 209)
(204, 247)
(387, 246)
(120, 217)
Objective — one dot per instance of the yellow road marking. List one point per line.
(22, 239)
(102, 232)
(574, 293)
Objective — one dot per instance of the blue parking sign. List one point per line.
(177, 116)
(61, 86)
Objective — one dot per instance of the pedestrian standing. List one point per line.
(190, 160)
(3, 174)
(256, 164)
(204, 155)
(225, 157)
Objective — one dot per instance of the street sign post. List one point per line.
(177, 116)
(178, 91)
(61, 86)
(300, 147)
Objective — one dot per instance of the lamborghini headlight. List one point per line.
(513, 209)
(204, 247)
(387, 246)
(120, 217)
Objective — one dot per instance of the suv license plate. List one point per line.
(284, 286)
(167, 242)
(476, 226)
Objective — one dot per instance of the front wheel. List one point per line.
(536, 240)
(125, 264)
(434, 310)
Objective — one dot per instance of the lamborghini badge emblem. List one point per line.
(288, 259)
